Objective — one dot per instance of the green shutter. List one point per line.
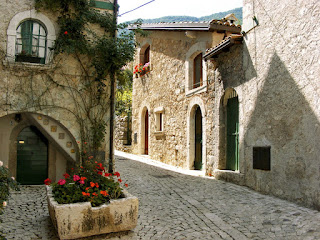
(233, 134)
(103, 5)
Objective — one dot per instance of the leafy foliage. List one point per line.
(124, 93)
(90, 36)
(6, 183)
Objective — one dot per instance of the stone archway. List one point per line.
(196, 113)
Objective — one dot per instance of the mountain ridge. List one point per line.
(237, 12)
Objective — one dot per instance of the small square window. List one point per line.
(261, 158)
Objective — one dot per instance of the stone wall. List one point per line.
(123, 134)
(279, 98)
(165, 88)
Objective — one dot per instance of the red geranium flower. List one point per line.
(119, 180)
(66, 175)
(47, 181)
(61, 181)
(117, 174)
(66, 32)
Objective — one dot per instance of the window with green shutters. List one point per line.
(31, 42)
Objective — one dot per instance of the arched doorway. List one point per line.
(232, 132)
(198, 140)
(146, 133)
(32, 156)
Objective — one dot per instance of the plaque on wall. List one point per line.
(46, 121)
(53, 128)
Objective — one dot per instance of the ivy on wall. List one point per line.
(86, 36)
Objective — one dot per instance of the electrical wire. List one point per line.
(136, 8)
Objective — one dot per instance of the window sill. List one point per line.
(10, 63)
(159, 135)
(197, 90)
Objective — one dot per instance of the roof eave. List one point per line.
(222, 47)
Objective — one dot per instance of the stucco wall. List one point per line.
(279, 98)
(34, 88)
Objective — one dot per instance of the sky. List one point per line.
(161, 8)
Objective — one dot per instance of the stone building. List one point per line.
(38, 130)
(173, 97)
(259, 100)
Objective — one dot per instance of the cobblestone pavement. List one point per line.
(177, 206)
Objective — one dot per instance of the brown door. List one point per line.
(146, 133)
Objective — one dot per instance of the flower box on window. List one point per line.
(141, 70)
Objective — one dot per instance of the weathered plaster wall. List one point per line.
(35, 88)
(279, 98)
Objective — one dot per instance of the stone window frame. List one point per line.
(193, 104)
(12, 31)
(193, 52)
(159, 116)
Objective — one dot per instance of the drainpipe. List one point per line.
(112, 95)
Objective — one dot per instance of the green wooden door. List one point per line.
(233, 134)
(32, 157)
(146, 133)
(198, 140)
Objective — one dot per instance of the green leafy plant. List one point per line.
(90, 37)
(90, 183)
(7, 182)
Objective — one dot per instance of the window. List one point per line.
(159, 122)
(146, 56)
(261, 158)
(30, 38)
(159, 119)
(197, 71)
(31, 42)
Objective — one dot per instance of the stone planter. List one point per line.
(78, 220)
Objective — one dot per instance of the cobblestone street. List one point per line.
(177, 206)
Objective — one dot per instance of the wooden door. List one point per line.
(32, 157)
(198, 140)
(146, 133)
(233, 134)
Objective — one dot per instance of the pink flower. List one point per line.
(61, 182)
(4, 204)
(76, 178)
(81, 182)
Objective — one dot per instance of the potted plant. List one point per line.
(89, 201)
(141, 69)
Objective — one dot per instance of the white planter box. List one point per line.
(78, 220)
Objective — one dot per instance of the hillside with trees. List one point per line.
(237, 12)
